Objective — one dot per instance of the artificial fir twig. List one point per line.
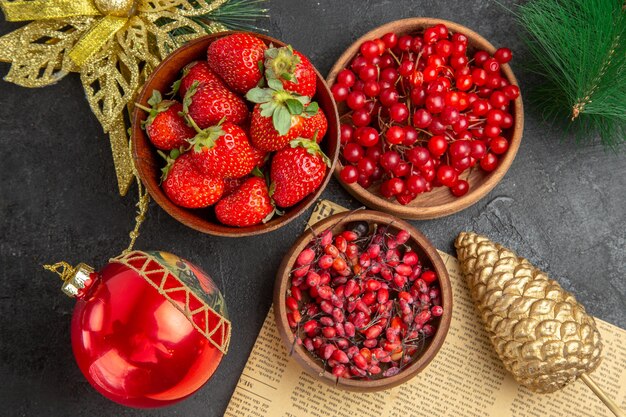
(578, 48)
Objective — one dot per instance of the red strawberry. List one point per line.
(315, 126)
(187, 187)
(297, 171)
(223, 151)
(235, 58)
(250, 204)
(231, 184)
(265, 137)
(196, 71)
(260, 157)
(165, 126)
(208, 104)
(292, 68)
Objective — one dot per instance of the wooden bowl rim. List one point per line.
(477, 192)
(304, 358)
(182, 214)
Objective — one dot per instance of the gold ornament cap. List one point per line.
(119, 8)
(77, 280)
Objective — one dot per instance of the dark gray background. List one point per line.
(559, 205)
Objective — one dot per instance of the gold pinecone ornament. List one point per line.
(542, 334)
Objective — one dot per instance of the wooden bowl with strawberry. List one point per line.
(235, 134)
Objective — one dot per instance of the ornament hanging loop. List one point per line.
(76, 280)
(64, 270)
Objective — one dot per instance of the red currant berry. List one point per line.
(498, 99)
(395, 135)
(356, 100)
(396, 186)
(437, 145)
(346, 133)
(511, 92)
(480, 57)
(491, 65)
(371, 88)
(368, 72)
(390, 160)
(388, 97)
(370, 49)
(346, 77)
(458, 190)
(460, 38)
(441, 30)
(361, 117)
(458, 61)
(406, 68)
(390, 39)
(447, 175)
(499, 145)
(450, 115)
(366, 167)
(398, 112)
(460, 149)
(405, 42)
(464, 82)
(349, 174)
(489, 162)
(503, 55)
(410, 136)
(367, 136)
(374, 153)
(353, 152)
(418, 156)
(478, 149)
(435, 103)
(444, 48)
(416, 184)
(340, 92)
(421, 119)
(418, 96)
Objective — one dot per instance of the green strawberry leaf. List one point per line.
(275, 84)
(258, 173)
(312, 109)
(267, 109)
(155, 99)
(175, 87)
(311, 147)
(294, 106)
(302, 99)
(289, 77)
(206, 138)
(169, 162)
(260, 95)
(282, 120)
(187, 100)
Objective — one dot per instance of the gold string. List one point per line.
(143, 203)
(62, 269)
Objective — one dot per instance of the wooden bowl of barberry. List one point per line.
(363, 301)
(235, 134)
(431, 117)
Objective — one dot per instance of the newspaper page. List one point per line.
(466, 378)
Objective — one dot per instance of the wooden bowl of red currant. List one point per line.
(431, 117)
(363, 301)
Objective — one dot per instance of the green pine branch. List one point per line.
(236, 15)
(578, 49)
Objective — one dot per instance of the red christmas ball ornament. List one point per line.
(149, 329)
